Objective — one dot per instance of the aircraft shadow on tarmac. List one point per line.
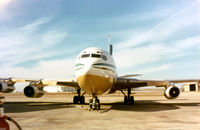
(18, 107)
(148, 106)
(140, 106)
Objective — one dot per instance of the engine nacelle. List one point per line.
(172, 92)
(33, 92)
(4, 88)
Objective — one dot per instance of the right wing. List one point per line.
(35, 87)
(42, 82)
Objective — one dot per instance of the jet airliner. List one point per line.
(96, 75)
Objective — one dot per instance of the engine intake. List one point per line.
(4, 88)
(172, 92)
(33, 92)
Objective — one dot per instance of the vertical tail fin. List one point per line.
(110, 45)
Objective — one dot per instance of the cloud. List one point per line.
(29, 42)
(188, 43)
(162, 46)
(3, 3)
(53, 37)
(160, 53)
(23, 35)
(156, 69)
(161, 31)
(35, 25)
(43, 69)
(131, 57)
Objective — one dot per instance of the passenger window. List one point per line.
(104, 57)
(85, 55)
(96, 56)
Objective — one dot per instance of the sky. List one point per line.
(159, 39)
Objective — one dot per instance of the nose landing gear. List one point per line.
(94, 103)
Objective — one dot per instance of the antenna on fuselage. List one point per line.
(110, 45)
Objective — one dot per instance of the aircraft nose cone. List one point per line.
(94, 84)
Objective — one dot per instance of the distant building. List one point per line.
(68, 89)
(59, 89)
(193, 86)
(52, 89)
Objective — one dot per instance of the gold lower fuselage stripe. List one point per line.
(94, 83)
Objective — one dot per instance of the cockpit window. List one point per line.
(96, 56)
(85, 55)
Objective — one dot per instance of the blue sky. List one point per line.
(41, 39)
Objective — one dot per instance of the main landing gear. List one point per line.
(80, 99)
(94, 103)
(128, 99)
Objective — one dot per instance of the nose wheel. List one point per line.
(94, 103)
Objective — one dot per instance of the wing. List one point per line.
(170, 92)
(43, 82)
(125, 83)
(7, 84)
(184, 81)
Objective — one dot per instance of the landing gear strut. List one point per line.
(94, 103)
(128, 99)
(80, 98)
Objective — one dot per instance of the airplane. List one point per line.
(96, 74)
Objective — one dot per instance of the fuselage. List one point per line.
(95, 71)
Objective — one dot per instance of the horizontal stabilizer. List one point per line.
(130, 75)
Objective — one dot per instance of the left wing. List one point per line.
(184, 81)
(125, 83)
(170, 92)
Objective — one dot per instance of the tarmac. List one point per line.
(151, 111)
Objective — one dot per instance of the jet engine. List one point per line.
(5, 88)
(33, 92)
(172, 92)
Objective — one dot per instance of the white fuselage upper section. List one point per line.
(95, 71)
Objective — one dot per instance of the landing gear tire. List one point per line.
(98, 104)
(131, 100)
(76, 99)
(82, 100)
(128, 101)
(79, 99)
(94, 104)
(125, 100)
